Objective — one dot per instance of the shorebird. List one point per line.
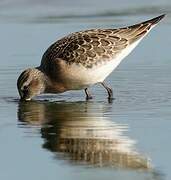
(82, 59)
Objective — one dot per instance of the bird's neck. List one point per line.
(51, 85)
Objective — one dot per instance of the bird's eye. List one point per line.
(25, 88)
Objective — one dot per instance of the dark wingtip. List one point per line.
(155, 20)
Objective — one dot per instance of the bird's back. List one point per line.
(97, 46)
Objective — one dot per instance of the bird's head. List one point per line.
(30, 83)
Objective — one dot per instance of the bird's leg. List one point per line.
(109, 91)
(88, 95)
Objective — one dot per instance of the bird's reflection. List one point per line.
(83, 133)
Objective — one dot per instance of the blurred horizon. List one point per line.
(58, 11)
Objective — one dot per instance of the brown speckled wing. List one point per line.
(87, 47)
(95, 46)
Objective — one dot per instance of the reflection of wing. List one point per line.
(97, 45)
(80, 131)
(98, 142)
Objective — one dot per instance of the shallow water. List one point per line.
(65, 137)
